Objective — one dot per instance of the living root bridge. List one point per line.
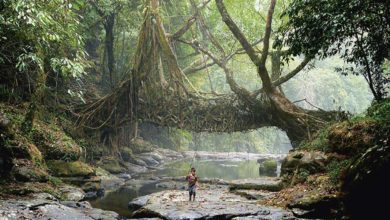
(156, 89)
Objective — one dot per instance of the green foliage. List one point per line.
(380, 111)
(54, 180)
(302, 175)
(336, 168)
(319, 142)
(356, 29)
(324, 88)
(37, 36)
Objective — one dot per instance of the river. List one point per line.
(223, 169)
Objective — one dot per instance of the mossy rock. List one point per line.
(351, 137)
(26, 188)
(19, 149)
(126, 153)
(138, 145)
(25, 171)
(54, 143)
(35, 155)
(111, 164)
(70, 169)
(305, 161)
(91, 186)
(318, 205)
(268, 167)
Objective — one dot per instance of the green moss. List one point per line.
(336, 168)
(268, 167)
(55, 181)
(319, 142)
(347, 137)
(139, 145)
(70, 169)
(25, 170)
(126, 153)
(54, 143)
(101, 172)
(111, 164)
(35, 155)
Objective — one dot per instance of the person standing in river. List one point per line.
(192, 179)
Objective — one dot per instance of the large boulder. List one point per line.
(156, 156)
(298, 165)
(108, 181)
(135, 168)
(215, 203)
(126, 154)
(315, 206)
(149, 160)
(70, 193)
(138, 145)
(70, 169)
(26, 171)
(55, 144)
(39, 206)
(111, 164)
(268, 167)
(138, 161)
(310, 161)
(138, 203)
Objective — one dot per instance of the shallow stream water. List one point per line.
(224, 169)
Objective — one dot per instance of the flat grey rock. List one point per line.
(211, 203)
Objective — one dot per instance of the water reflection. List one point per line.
(227, 170)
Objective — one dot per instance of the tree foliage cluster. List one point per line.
(359, 30)
(41, 45)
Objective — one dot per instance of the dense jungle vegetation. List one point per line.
(89, 84)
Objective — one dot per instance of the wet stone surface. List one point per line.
(213, 202)
(44, 206)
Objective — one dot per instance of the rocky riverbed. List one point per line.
(216, 200)
(213, 202)
(46, 206)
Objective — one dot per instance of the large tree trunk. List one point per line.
(109, 46)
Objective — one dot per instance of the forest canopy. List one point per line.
(231, 62)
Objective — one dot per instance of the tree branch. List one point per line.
(244, 94)
(237, 32)
(98, 10)
(190, 20)
(260, 63)
(267, 34)
(291, 74)
(286, 77)
(190, 69)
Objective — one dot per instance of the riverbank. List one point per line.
(22, 198)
